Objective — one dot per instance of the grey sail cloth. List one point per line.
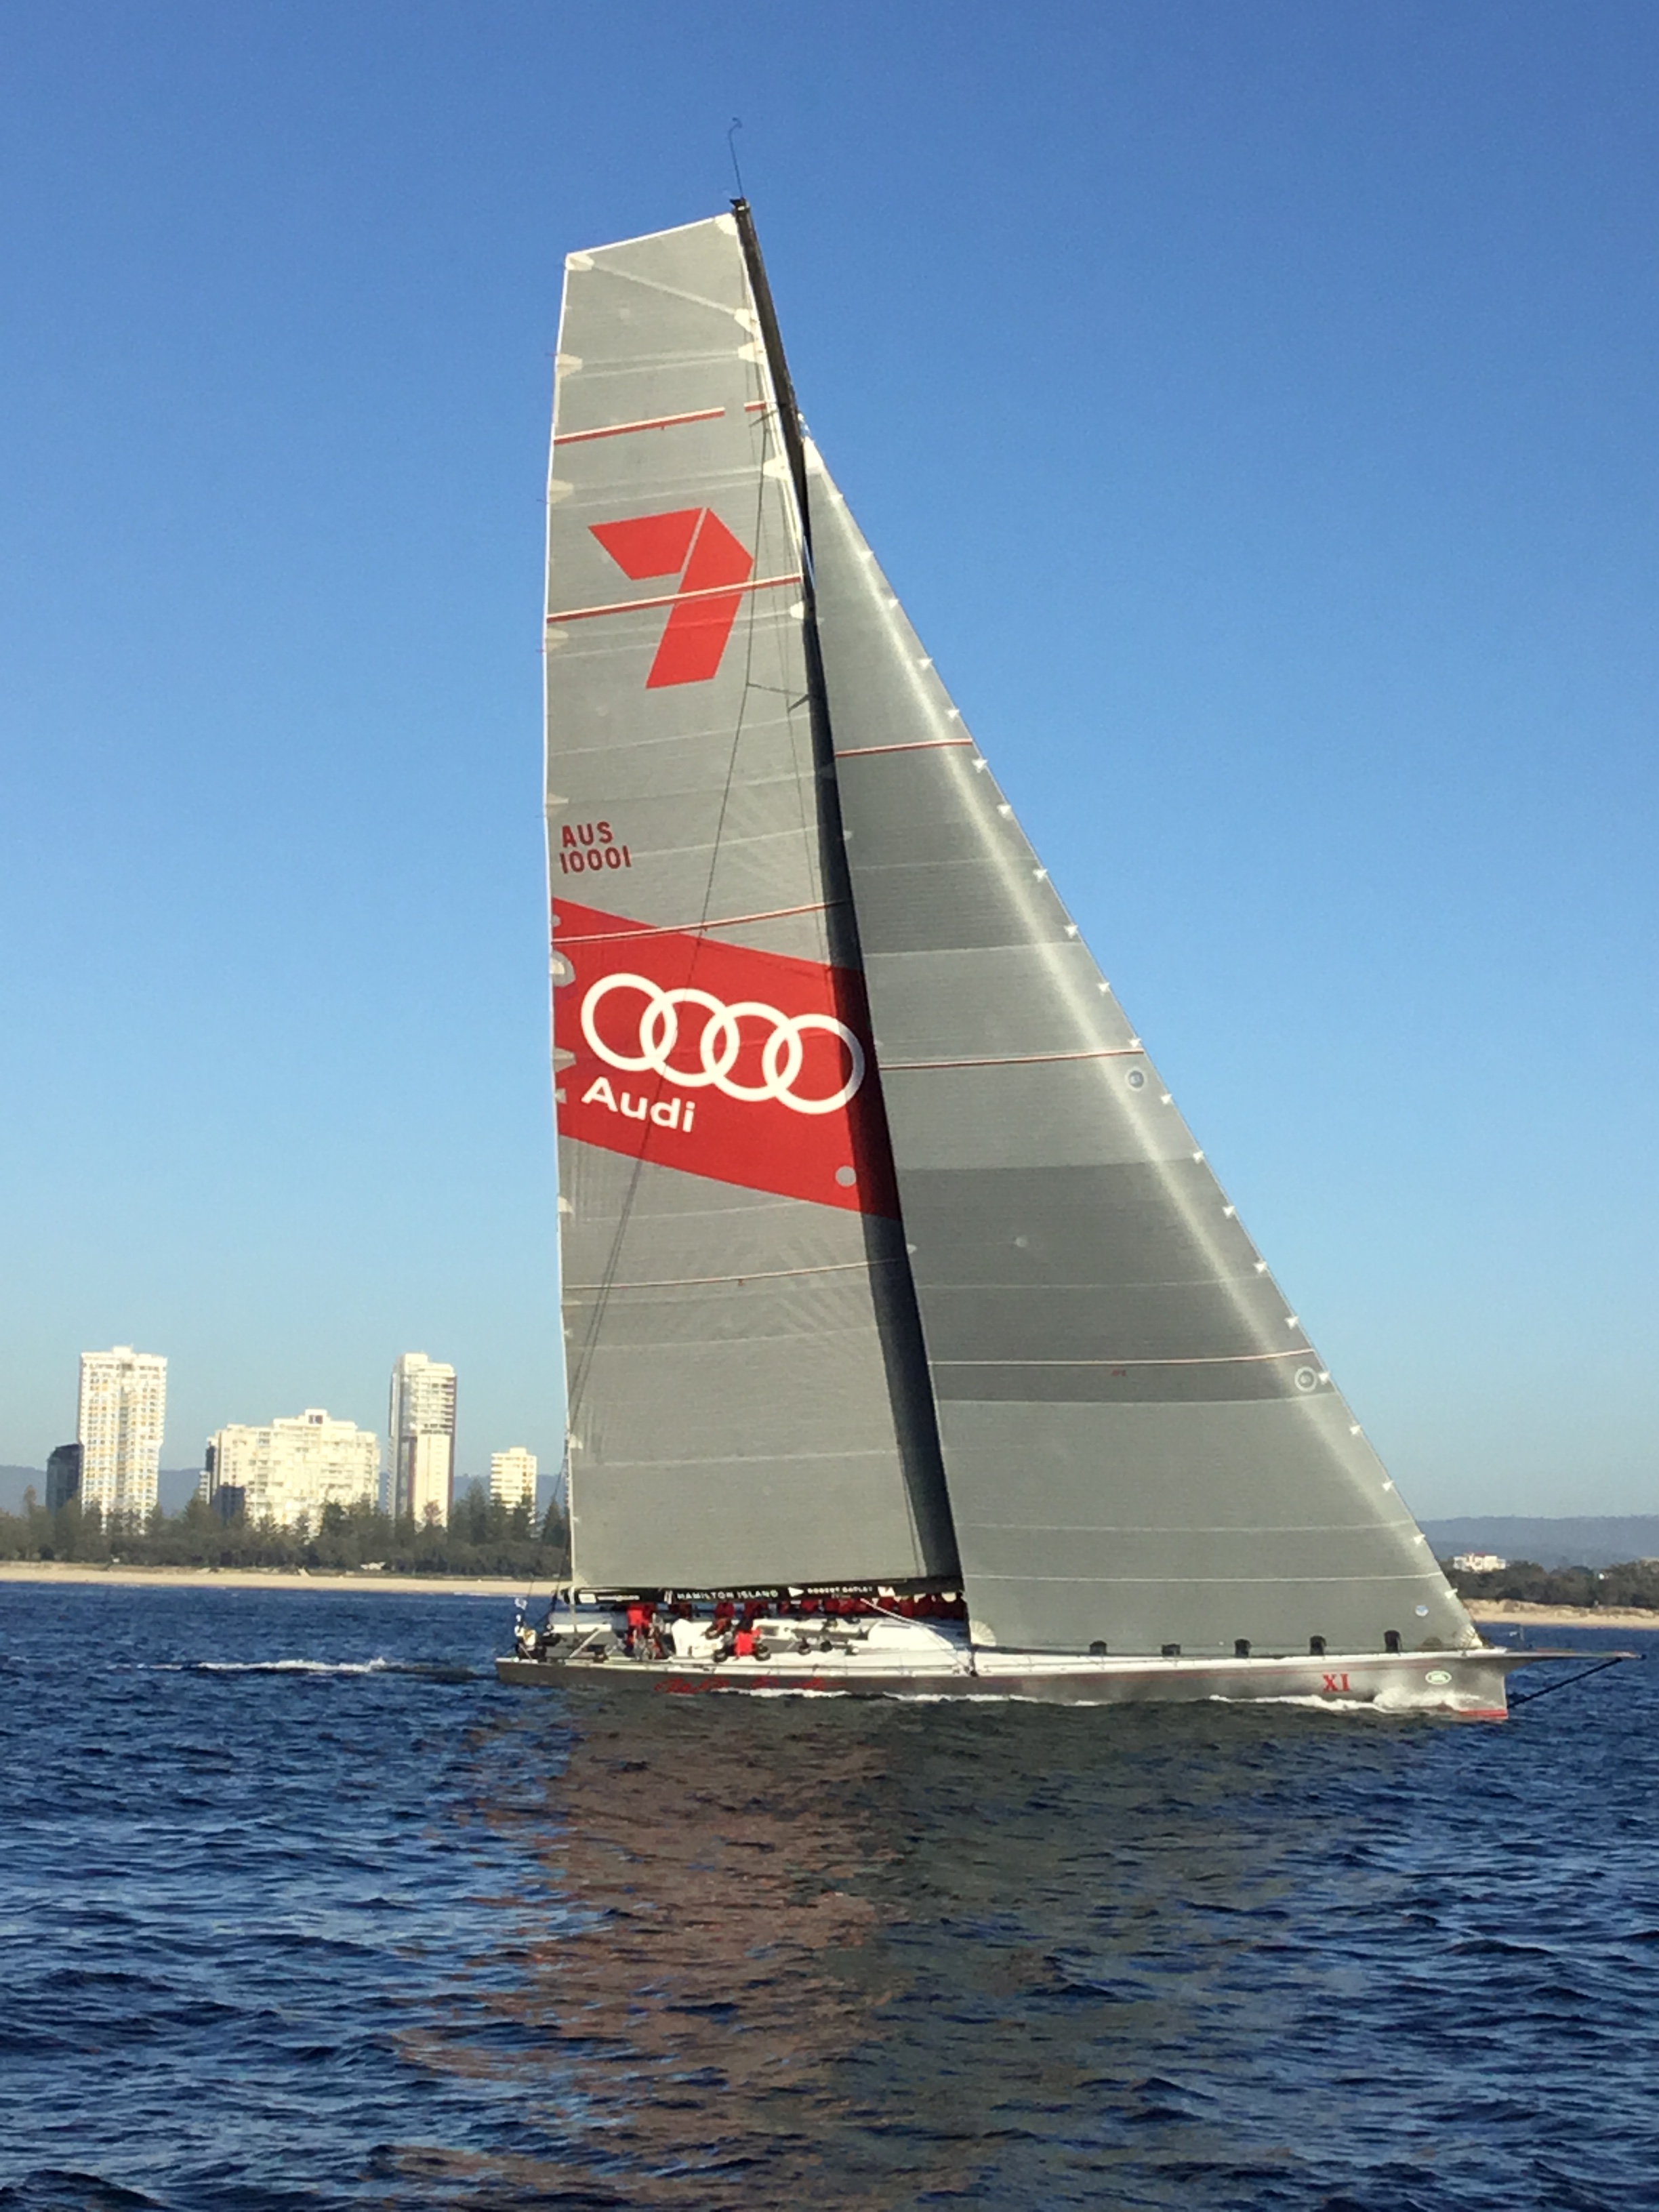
(747, 1399)
(1142, 1448)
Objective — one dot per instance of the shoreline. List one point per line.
(69, 1572)
(1497, 1610)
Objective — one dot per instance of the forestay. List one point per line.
(1142, 1448)
(747, 1401)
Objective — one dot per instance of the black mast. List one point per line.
(898, 1319)
(782, 384)
(842, 920)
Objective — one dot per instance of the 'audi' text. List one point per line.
(665, 1113)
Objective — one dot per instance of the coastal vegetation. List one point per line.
(482, 1538)
(1634, 1585)
(486, 1538)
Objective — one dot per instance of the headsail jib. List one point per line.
(1142, 1448)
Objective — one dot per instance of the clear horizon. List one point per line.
(1254, 409)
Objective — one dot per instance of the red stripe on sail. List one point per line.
(915, 746)
(694, 928)
(624, 429)
(665, 600)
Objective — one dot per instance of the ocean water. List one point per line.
(299, 1909)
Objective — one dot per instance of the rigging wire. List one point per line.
(737, 125)
(562, 1482)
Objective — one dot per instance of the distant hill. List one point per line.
(13, 1481)
(1590, 1541)
(176, 1485)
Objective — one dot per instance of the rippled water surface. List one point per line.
(297, 1908)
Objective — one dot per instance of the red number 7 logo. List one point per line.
(695, 546)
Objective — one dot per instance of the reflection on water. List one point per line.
(865, 1954)
(706, 1970)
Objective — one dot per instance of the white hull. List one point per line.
(914, 1659)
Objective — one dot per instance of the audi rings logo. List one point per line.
(783, 1056)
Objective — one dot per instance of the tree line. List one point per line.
(1636, 1584)
(483, 1537)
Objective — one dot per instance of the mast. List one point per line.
(899, 1314)
(843, 916)
(794, 442)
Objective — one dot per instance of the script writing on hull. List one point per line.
(752, 1068)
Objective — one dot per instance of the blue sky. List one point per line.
(1255, 407)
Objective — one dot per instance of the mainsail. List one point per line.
(747, 1397)
(1141, 1446)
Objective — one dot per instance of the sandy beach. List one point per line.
(261, 1578)
(1497, 1609)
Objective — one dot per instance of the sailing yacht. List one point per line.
(903, 1311)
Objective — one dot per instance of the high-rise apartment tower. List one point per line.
(422, 1426)
(290, 1471)
(123, 1403)
(512, 1478)
(63, 1477)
